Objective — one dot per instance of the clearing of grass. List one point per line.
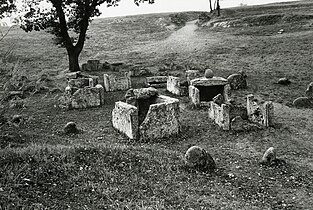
(42, 168)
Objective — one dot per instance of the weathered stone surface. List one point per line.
(70, 128)
(284, 81)
(303, 102)
(261, 114)
(82, 98)
(144, 93)
(125, 119)
(194, 95)
(237, 81)
(208, 73)
(156, 81)
(214, 81)
(115, 83)
(101, 93)
(173, 85)
(73, 75)
(309, 91)
(220, 114)
(79, 83)
(269, 156)
(218, 99)
(192, 74)
(162, 119)
(199, 158)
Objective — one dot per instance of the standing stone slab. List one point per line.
(115, 83)
(173, 85)
(261, 114)
(220, 114)
(162, 119)
(194, 95)
(125, 119)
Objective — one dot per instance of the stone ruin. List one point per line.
(82, 92)
(203, 90)
(176, 86)
(156, 81)
(116, 83)
(96, 65)
(146, 115)
(232, 117)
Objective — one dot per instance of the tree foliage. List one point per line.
(6, 6)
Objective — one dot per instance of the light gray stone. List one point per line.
(194, 95)
(214, 81)
(269, 156)
(218, 99)
(199, 158)
(220, 115)
(116, 83)
(85, 98)
(309, 91)
(173, 85)
(208, 73)
(260, 113)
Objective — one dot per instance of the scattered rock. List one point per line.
(303, 102)
(309, 91)
(218, 99)
(238, 81)
(208, 73)
(70, 128)
(237, 124)
(284, 81)
(269, 156)
(17, 119)
(197, 157)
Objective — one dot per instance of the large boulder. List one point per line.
(199, 158)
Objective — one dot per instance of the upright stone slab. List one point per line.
(125, 119)
(309, 91)
(220, 115)
(116, 83)
(173, 85)
(162, 119)
(261, 114)
(194, 95)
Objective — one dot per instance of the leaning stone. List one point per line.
(284, 81)
(197, 157)
(218, 99)
(70, 128)
(208, 73)
(309, 91)
(269, 156)
(303, 102)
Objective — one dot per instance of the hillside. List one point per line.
(43, 168)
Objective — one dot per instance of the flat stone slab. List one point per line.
(214, 81)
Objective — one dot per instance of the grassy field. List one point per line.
(42, 168)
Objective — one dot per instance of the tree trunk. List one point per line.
(218, 8)
(210, 2)
(73, 60)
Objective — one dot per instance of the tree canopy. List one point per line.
(6, 6)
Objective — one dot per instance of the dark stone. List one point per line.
(284, 81)
(70, 128)
(198, 158)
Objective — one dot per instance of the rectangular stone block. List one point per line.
(125, 119)
(156, 81)
(220, 115)
(173, 85)
(86, 97)
(115, 83)
(260, 113)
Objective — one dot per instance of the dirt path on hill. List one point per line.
(184, 40)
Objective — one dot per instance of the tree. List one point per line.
(6, 6)
(62, 18)
(210, 3)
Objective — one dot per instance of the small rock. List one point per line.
(70, 128)
(197, 157)
(269, 156)
(284, 81)
(238, 81)
(303, 102)
(208, 73)
(237, 124)
(309, 91)
(17, 119)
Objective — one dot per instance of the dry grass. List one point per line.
(41, 168)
